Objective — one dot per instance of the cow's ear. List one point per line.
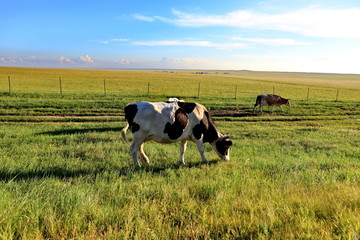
(228, 143)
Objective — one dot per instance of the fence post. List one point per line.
(337, 95)
(235, 91)
(105, 87)
(199, 90)
(148, 89)
(9, 84)
(307, 96)
(273, 89)
(60, 81)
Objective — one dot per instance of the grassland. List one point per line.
(134, 83)
(66, 174)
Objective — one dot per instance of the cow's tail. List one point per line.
(123, 133)
(258, 100)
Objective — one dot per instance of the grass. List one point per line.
(153, 83)
(66, 174)
(35, 92)
(30, 104)
(75, 180)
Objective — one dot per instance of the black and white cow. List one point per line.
(168, 122)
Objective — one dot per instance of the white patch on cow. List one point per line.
(170, 100)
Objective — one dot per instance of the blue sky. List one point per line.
(269, 35)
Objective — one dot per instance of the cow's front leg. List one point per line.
(183, 145)
(200, 146)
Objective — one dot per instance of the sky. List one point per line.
(268, 35)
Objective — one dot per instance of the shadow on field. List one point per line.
(80, 131)
(64, 173)
(53, 172)
(174, 166)
(232, 113)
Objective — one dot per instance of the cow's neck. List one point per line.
(212, 133)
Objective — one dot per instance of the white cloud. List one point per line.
(64, 60)
(191, 44)
(110, 40)
(40, 61)
(143, 18)
(186, 63)
(9, 60)
(119, 40)
(176, 43)
(271, 41)
(311, 21)
(128, 61)
(87, 59)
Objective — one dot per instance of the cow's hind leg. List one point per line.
(134, 148)
(144, 158)
(254, 107)
(183, 145)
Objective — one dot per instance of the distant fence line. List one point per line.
(200, 89)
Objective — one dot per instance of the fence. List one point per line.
(190, 89)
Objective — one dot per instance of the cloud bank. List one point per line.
(310, 21)
(81, 61)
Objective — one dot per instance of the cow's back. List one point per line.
(152, 117)
(268, 99)
(160, 121)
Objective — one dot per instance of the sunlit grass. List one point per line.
(285, 180)
(222, 84)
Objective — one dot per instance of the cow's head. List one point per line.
(288, 102)
(221, 147)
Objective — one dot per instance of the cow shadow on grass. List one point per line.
(64, 173)
(80, 131)
(156, 169)
(51, 172)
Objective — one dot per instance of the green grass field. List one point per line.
(66, 174)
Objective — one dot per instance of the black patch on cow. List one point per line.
(212, 133)
(177, 128)
(130, 113)
(135, 127)
(223, 146)
(207, 128)
(199, 129)
(188, 107)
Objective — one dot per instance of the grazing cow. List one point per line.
(271, 100)
(168, 122)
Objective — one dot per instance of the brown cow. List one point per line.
(271, 100)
